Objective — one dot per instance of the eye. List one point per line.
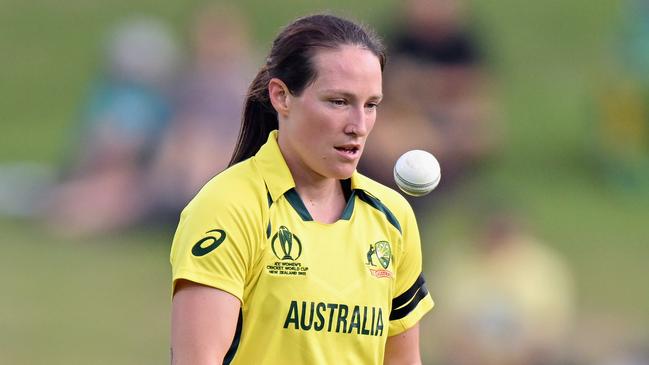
(372, 106)
(338, 102)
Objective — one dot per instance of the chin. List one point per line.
(343, 172)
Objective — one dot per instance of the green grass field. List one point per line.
(106, 301)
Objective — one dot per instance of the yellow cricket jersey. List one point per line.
(311, 293)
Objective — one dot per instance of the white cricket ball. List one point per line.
(417, 172)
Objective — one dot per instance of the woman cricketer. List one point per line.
(290, 256)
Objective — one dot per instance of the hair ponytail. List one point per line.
(258, 120)
(290, 60)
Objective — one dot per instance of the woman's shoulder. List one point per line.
(389, 197)
(238, 187)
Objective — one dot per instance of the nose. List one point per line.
(358, 123)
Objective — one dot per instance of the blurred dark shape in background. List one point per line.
(209, 100)
(506, 298)
(436, 95)
(103, 186)
(621, 133)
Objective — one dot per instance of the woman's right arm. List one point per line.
(203, 323)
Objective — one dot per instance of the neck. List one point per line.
(319, 192)
(323, 197)
(326, 203)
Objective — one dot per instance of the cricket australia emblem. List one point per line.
(381, 252)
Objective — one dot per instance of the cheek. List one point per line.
(371, 122)
(318, 122)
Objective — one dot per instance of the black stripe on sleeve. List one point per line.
(405, 310)
(408, 294)
(235, 341)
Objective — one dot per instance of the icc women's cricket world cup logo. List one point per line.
(289, 246)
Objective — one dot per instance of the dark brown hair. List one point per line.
(291, 60)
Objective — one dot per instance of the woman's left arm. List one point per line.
(403, 349)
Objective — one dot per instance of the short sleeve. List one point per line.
(412, 298)
(215, 242)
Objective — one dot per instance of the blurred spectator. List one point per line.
(209, 102)
(121, 124)
(507, 300)
(621, 143)
(436, 96)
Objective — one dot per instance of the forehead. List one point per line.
(350, 68)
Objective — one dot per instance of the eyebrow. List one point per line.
(350, 95)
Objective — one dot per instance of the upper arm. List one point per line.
(403, 349)
(203, 323)
(213, 249)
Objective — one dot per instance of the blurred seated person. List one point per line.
(506, 299)
(435, 95)
(121, 125)
(209, 100)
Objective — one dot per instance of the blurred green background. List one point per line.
(106, 301)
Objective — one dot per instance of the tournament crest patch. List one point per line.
(287, 248)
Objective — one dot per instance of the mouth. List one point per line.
(349, 150)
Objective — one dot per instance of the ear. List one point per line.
(279, 96)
